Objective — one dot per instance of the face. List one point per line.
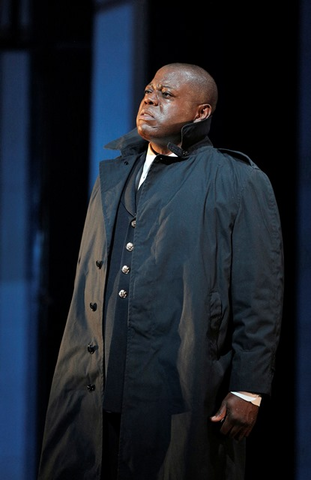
(168, 104)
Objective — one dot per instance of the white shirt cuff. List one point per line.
(254, 398)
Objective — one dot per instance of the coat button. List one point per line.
(129, 246)
(90, 387)
(123, 293)
(125, 269)
(91, 348)
(99, 264)
(133, 223)
(93, 306)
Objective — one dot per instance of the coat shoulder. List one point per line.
(236, 154)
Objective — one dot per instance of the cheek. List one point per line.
(139, 108)
(182, 114)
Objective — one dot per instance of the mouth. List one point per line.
(145, 114)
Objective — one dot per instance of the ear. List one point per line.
(204, 111)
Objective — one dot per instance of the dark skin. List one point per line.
(172, 99)
(237, 416)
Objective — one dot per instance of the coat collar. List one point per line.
(191, 134)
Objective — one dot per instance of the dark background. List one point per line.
(251, 49)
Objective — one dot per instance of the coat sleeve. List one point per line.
(257, 285)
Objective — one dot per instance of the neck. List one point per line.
(153, 150)
(163, 151)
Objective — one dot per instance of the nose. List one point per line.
(151, 98)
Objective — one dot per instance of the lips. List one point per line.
(145, 114)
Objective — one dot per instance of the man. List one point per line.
(174, 323)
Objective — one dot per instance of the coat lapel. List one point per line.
(113, 177)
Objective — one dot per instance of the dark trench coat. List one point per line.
(204, 316)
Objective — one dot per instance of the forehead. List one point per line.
(172, 78)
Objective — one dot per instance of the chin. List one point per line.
(143, 132)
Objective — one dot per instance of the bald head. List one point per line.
(179, 94)
(204, 86)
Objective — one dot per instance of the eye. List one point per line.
(147, 91)
(166, 93)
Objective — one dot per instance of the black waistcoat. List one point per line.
(117, 290)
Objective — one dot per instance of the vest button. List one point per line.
(125, 269)
(93, 306)
(129, 246)
(133, 223)
(123, 294)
